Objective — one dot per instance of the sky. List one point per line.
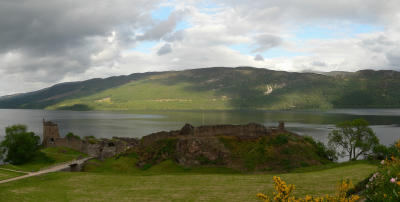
(47, 42)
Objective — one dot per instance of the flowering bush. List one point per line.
(385, 183)
(283, 193)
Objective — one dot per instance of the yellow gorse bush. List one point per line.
(283, 193)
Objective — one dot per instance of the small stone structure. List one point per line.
(100, 148)
(50, 133)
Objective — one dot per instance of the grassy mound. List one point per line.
(275, 152)
(48, 157)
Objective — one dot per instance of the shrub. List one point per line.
(284, 193)
(280, 139)
(91, 139)
(19, 145)
(71, 135)
(385, 183)
(381, 152)
(322, 150)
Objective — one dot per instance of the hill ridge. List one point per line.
(218, 88)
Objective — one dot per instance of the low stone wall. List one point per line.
(72, 143)
(248, 130)
(251, 129)
(104, 148)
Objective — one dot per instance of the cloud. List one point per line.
(265, 42)
(259, 58)
(165, 49)
(318, 64)
(43, 43)
(162, 28)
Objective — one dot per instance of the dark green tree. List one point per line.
(19, 146)
(353, 138)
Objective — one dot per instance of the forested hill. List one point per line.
(219, 88)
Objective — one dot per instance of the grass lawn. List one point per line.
(55, 156)
(174, 185)
(4, 174)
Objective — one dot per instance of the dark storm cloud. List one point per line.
(165, 49)
(47, 40)
(259, 58)
(265, 42)
(51, 27)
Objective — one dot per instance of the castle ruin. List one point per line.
(50, 133)
(106, 148)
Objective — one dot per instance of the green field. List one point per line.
(173, 185)
(4, 174)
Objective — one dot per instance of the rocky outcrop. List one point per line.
(198, 151)
(107, 148)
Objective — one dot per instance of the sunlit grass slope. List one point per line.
(150, 94)
(173, 186)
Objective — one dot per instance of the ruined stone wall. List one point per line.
(148, 139)
(231, 130)
(72, 143)
(249, 130)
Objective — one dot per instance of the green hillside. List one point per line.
(220, 88)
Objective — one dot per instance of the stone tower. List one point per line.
(281, 125)
(50, 133)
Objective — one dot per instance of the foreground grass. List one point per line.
(52, 156)
(4, 174)
(107, 186)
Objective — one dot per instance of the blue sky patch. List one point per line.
(183, 24)
(145, 46)
(242, 48)
(162, 12)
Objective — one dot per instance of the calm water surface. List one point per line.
(385, 122)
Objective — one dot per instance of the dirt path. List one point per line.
(48, 170)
